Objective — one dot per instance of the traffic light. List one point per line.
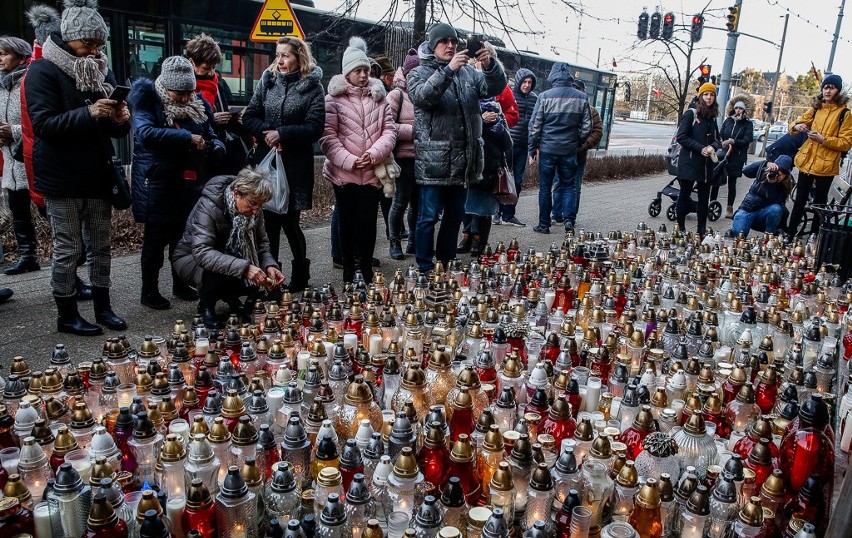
(697, 27)
(626, 90)
(656, 20)
(767, 107)
(704, 70)
(668, 25)
(733, 18)
(642, 32)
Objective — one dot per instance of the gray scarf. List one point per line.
(8, 80)
(194, 109)
(88, 72)
(241, 241)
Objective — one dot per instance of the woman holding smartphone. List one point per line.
(829, 130)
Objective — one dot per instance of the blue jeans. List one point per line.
(519, 163)
(557, 196)
(769, 218)
(435, 200)
(563, 168)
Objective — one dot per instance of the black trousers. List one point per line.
(217, 287)
(289, 224)
(732, 190)
(358, 208)
(805, 182)
(406, 193)
(684, 204)
(157, 237)
(22, 221)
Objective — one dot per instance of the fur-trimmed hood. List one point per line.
(747, 100)
(338, 86)
(143, 94)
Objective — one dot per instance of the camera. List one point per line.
(772, 175)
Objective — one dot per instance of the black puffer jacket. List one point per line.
(526, 103)
(295, 107)
(71, 149)
(447, 121)
(693, 135)
(163, 155)
(742, 131)
(762, 194)
(202, 247)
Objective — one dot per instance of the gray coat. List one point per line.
(14, 173)
(202, 247)
(447, 121)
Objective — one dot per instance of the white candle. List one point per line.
(350, 340)
(375, 344)
(275, 399)
(593, 394)
(41, 514)
(202, 345)
(174, 509)
(302, 360)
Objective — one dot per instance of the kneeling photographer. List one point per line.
(763, 207)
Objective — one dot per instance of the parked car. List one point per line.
(775, 132)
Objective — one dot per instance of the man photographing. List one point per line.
(764, 205)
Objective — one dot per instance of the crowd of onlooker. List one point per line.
(442, 137)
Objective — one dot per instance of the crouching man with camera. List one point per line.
(763, 208)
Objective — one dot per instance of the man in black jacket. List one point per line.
(73, 119)
(446, 91)
(764, 205)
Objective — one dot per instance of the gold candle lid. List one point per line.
(406, 464)
(649, 495)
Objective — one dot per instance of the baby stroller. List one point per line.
(714, 209)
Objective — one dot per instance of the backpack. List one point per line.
(842, 117)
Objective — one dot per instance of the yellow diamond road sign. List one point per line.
(276, 19)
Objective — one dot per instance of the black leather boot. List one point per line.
(84, 290)
(208, 315)
(464, 244)
(25, 264)
(301, 275)
(70, 321)
(395, 249)
(27, 259)
(103, 310)
(151, 291)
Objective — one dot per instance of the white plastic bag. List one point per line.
(273, 167)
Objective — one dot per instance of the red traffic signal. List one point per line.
(705, 70)
(697, 27)
(668, 26)
(669, 18)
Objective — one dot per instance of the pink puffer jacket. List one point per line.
(357, 120)
(402, 117)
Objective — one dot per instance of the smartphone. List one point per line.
(473, 45)
(120, 93)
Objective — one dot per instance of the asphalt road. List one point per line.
(636, 137)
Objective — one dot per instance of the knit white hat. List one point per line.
(355, 55)
(177, 74)
(81, 21)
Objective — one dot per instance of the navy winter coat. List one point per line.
(72, 151)
(447, 121)
(163, 156)
(561, 120)
(526, 104)
(762, 194)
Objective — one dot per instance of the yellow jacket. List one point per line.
(824, 159)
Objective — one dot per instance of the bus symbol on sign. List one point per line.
(276, 19)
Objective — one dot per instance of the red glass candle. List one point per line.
(730, 390)
(807, 450)
(461, 465)
(434, 461)
(633, 436)
(809, 505)
(574, 398)
(200, 517)
(519, 345)
(16, 520)
(760, 428)
(766, 393)
(462, 421)
(760, 461)
(559, 422)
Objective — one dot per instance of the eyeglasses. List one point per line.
(93, 45)
(253, 204)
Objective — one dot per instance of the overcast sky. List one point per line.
(611, 26)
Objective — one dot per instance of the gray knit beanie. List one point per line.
(44, 20)
(439, 31)
(177, 74)
(355, 55)
(81, 21)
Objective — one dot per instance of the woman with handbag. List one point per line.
(481, 203)
(173, 152)
(359, 137)
(287, 113)
(74, 121)
(698, 136)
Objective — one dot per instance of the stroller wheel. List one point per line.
(714, 211)
(671, 212)
(655, 207)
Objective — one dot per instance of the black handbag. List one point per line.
(119, 196)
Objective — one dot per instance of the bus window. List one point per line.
(146, 45)
(242, 63)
